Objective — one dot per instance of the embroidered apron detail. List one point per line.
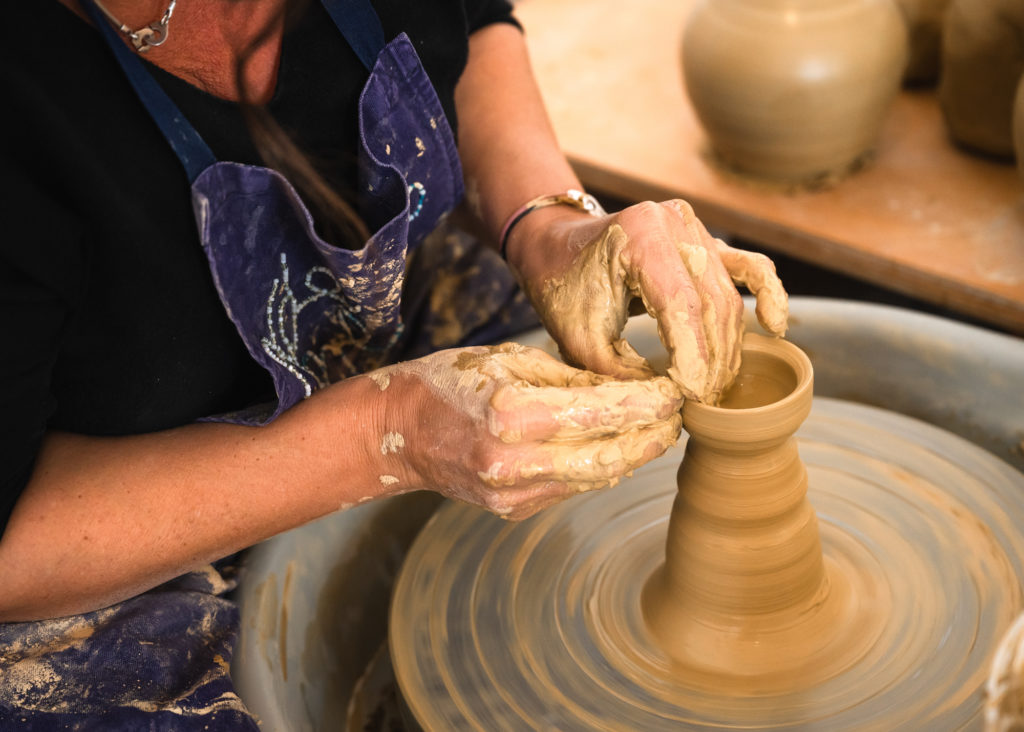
(309, 312)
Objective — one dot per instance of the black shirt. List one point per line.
(112, 323)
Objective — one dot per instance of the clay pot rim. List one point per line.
(774, 348)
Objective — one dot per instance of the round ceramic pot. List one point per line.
(982, 61)
(793, 90)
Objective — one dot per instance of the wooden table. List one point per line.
(922, 218)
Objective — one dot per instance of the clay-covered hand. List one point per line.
(513, 430)
(581, 273)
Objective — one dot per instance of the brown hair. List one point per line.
(337, 219)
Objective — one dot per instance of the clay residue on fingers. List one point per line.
(772, 312)
(610, 459)
(696, 259)
(757, 273)
(581, 413)
(687, 367)
(549, 423)
(596, 461)
(603, 280)
(599, 282)
(630, 357)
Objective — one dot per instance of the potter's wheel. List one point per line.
(538, 624)
(313, 600)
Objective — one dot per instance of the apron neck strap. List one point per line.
(360, 24)
(190, 148)
(356, 19)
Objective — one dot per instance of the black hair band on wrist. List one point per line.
(572, 197)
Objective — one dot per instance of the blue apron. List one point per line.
(310, 313)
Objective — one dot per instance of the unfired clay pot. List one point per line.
(982, 61)
(744, 592)
(924, 32)
(793, 89)
(742, 536)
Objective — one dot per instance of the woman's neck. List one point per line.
(207, 40)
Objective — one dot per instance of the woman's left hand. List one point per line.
(581, 273)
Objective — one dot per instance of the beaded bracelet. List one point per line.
(572, 197)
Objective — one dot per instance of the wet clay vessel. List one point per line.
(745, 597)
(793, 90)
(982, 61)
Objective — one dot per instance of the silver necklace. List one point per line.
(147, 36)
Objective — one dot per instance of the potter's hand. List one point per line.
(514, 430)
(581, 272)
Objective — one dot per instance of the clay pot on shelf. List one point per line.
(982, 61)
(793, 90)
(924, 33)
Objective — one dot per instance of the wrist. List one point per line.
(533, 221)
(573, 198)
(336, 437)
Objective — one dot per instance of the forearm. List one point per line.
(507, 145)
(105, 518)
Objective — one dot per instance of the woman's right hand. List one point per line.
(513, 430)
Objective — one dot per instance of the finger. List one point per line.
(757, 273)
(591, 339)
(615, 357)
(722, 306)
(539, 368)
(657, 273)
(612, 458)
(542, 496)
(515, 362)
(523, 500)
(582, 412)
(590, 461)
